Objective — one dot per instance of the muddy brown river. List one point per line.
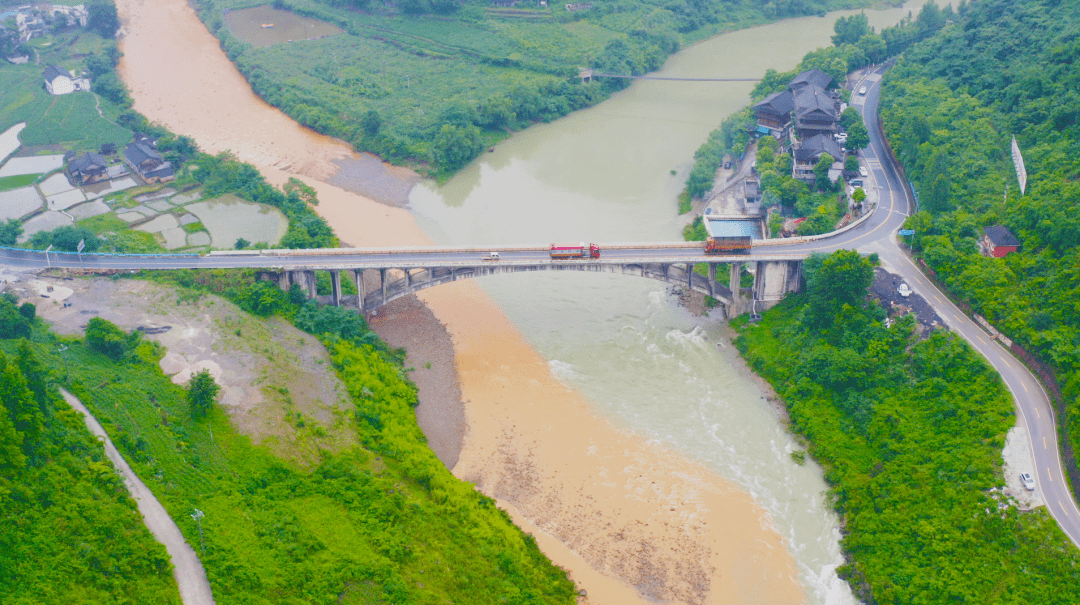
(610, 423)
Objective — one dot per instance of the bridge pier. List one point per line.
(774, 279)
(735, 284)
(335, 287)
(361, 288)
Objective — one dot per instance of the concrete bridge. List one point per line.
(772, 279)
(384, 274)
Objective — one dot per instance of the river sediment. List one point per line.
(631, 520)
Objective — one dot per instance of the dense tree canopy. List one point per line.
(909, 433)
(950, 108)
(69, 531)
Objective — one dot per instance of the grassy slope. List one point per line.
(72, 119)
(69, 531)
(386, 521)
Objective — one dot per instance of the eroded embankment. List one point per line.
(631, 521)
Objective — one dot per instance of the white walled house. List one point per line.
(58, 81)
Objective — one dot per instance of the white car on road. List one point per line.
(862, 172)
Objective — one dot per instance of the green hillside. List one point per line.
(383, 522)
(909, 432)
(69, 531)
(950, 109)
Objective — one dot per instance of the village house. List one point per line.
(998, 241)
(75, 15)
(810, 77)
(30, 24)
(815, 112)
(807, 99)
(143, 157)
(87, 169)
(773, 113)
(58, 81)
(807, 154)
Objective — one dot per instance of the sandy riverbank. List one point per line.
(631, 521)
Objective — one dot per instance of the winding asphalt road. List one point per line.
(875, 234)
(1032, 401)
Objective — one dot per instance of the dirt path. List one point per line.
(187, 569)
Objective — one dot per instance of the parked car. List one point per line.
(727, 164)
(904, 290)
(862, 91)
(1029, 483)
(856, 183)
(862, 172)
(841, 137)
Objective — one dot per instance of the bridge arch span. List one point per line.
(384, 285)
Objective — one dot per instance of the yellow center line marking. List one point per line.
(1037, 413)
(1044, 443)
(1063, 508)
(1024, 384)
(980, 338)
(1051, 475)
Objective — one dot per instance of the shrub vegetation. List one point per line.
(950, 108)
(909, 433)
(383, 522)
(69, 531)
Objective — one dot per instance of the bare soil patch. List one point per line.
(884, 289)
(278, 383)
(408, 323)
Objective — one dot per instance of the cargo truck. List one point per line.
(727, 236)
(568, 251)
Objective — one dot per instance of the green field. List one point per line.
(431, 83)
(70, 120)
(7, 183)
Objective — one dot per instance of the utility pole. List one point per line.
(197, 516)
(67, 375)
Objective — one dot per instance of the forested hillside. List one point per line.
(69, 531)
(950, 108)
(381, 522)
(910, 434)
(434, 82)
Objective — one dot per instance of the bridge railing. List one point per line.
(29, 252)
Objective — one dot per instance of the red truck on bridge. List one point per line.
(567, 251)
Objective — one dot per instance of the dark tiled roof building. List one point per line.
(999, 241)
(88, 168)
(811, 77)
(142, 155)
(774, 111)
